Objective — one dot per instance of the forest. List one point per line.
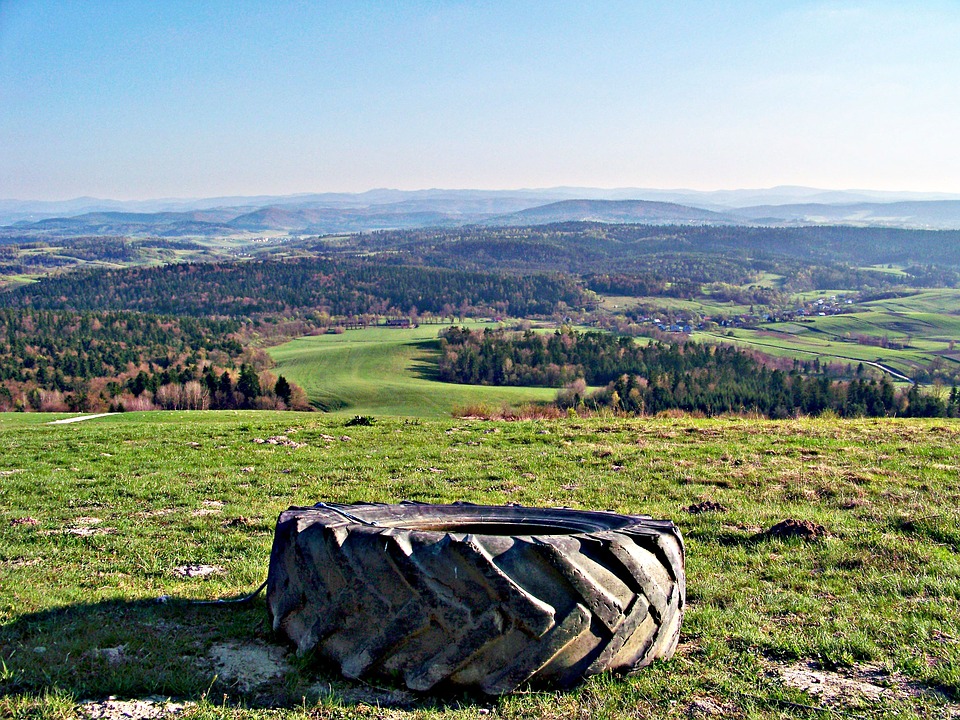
(651, 378)
(62, 360)
(339, 287)
(811, 257)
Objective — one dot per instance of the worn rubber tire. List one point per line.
(476, 597)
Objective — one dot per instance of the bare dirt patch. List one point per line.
(210, 507)
(705, 507)
(860, 683)
(705, 707)
(145, 709)
(197, 571)
(83, 527)
(790, 528)
(157, 513)
(282, 440)
(21, 562)
(249, 665)
(90, 531)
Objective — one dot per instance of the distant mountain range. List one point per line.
(397, 209)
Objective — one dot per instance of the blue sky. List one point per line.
(132, 99)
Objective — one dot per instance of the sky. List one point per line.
(132, 99)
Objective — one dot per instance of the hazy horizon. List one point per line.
(882, 194)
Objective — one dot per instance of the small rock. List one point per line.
(40, 649)
(112, 655)
(345, 438)
(247, 469)
(24, 521)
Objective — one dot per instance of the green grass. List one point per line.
(384, 371)
(925, 335)
(882, 590)
(702, 305)
(941, 301)
(888, 270)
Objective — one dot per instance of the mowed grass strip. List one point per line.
(385, 371)
(98, 520)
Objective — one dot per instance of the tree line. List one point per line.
(655, 377)
(341, 287)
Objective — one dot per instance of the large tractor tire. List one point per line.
(476, 597)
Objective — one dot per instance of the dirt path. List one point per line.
(80, 418)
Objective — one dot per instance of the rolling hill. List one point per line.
(613, 211)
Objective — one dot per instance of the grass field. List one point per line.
(384, 371)
(701, 306)
(98, 519)
(923, 321)
(924, 335)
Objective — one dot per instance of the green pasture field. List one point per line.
(702, 306)
(808, 295)
(945, 301)
(387, 371)
(925, 334)
(793, 340)
(99, 519)
(9, 282)
(894, 270)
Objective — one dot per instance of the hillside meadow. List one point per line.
(388, 371)
(100, 519)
